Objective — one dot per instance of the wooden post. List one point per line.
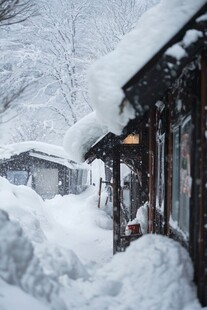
(152, 185)
(168, 171)
(116, 201)
(99, 193)
(202, 264)
(150, 175)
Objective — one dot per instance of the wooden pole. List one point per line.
(99, 193)
(116, 201)
(151, 165)
(201, 234)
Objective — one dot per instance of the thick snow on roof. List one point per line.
(81, 136)
(107, 76)
(53, 153)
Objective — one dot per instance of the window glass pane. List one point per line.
(176, 175)
(17, 177)
(160, 172)
(125, 174)
(182, 180)
(185, 175)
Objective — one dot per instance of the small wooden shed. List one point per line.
(44, 167)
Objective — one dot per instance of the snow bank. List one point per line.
(26, 207)
(12, 297)
(27, 259)
(155, 273)
(110, 73)
(58, 225)
(60, 263)
(19, 266)
(81, 136)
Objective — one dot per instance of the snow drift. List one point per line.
(154, 273)
(19, 266)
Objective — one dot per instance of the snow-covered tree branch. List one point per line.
(15, 11)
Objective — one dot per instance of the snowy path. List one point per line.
(77, 224)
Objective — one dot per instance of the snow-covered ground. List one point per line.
(57, 254)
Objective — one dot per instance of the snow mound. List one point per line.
(155, 273)
(142, 217)
(59, 262)
(26, 207)
(100, 217)
(15, 250)
(19, 266)
(20, 300)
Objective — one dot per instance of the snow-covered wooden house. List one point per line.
(44, 167)
(150, 95)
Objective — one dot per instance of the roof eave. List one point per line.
(176, 38)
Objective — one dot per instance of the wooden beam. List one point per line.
(151, 165)
(116, 201)
(202, 203)
(99, 193)
(168, 171)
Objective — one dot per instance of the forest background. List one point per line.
(47, 56)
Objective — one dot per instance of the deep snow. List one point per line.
(61, 258)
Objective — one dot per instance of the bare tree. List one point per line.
(62, 57)
(14, 11)
(8, 99)
(117, 19)
(29, 130)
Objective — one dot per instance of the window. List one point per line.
(160, 171)
(185, 174)
(17, 177)
(182, 175)
(131, 139)
(176, 174)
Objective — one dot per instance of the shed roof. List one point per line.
(41, 150)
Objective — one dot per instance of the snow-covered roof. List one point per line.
(46, 151)
(109, 74)
(81, 136)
